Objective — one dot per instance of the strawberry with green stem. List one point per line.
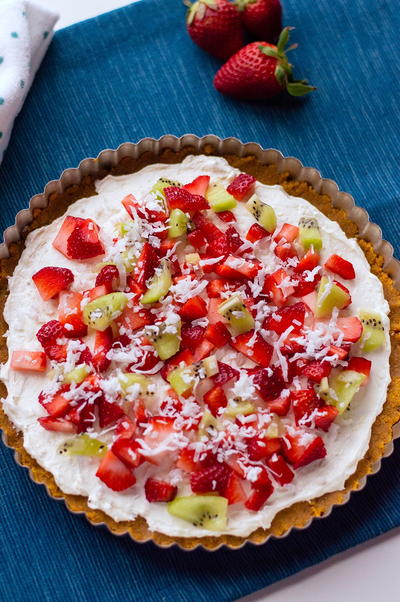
(261, 18)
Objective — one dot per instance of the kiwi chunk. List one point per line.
(219, 198)
(204, 511)
(100, 312)
(178, 221)
(83, 445)
(239, 407)
(342, 388)
(159, 284)
(129, 379)
(165, 343)
(183, 378)
(193, 258)
(263, 213)
(237, 314)
(310, 235)
(329, 296)
(373, 335)
(158, 188)
(77, 375)
(207, 425)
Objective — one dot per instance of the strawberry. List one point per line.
(146, 264)
(324, 417)
(193, 309)
(211, 478)
(340, 353)
(259, 352)
(48, 335)
(102, 344)
(186, 461)
(60, 425)
(158, 429)
(108, 275)
(219, 285)
(128, 451)
(206, 227)
(70, 314)
(226, 216)
(351, 328)
(315, 371)
(215, 26)
(285, 251)
(277, 286)
(280, 470)
(114, 473)
(225, 374)
(50, 281)
(234, 491)
(196, 239)
(305, 283)
(133, 318)
(159, 491)
(242, 187)
(33, 361)
(301, 448)
(191, 336)
(258, 497)
(97, 291)
(280, 405)
(55, 404)
(225, 243)
(261, 18)
(203, 350)
(215, 399)
(282, 319)
(360, 364)
(260, 448)
(287, 233)
(256, 233)
(307, 263)
(78, 238)
(180, 198)
(125, 428)
(238, 268)
(153, 215)
(260, 71)
(184, 357)
(304, 402)
(269, 387)
(218, 334)
(341, 267)
(198, 186)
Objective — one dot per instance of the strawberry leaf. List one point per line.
(299, 88)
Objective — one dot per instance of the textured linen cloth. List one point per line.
(134, 73)
(25, 33)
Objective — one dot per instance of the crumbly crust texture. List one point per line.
(298, 515)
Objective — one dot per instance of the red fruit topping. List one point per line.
(225, 374)
(206, 227)
(70, 314)
(282, 319)
(153, 215)
(218, 334)
(159, 491)
(125, 429)
(324, 417)
(261, 18)
(360, 364)
(341, 267)
(340, 353)
(238, 268)
(302, 448)
(309, 262)
(108, 275)
(102, 345)
(285, 251)
(287, 233)
(196, 239)
(242, 187)
(316, 371)
(114, 473)
(260, 448)
(184, 357)
(198, 186)
(48, 335)
(280, 470)
(305, 283)
(109, 412)
(226, 216)
(193, 309)
(35, 361)
(60, 425)
(78, 238)
(258, 497)
(158, 429)
(191, 336)
(133, 318)
(179, 198)
(128, 451)
(186, 461)
(280, 405)
(216, 287)
(255, 233)
(278, 286)
(258, 351)
(212, 478)
(146, 264)
(269, 386)
(203, 350)
(215, 399)
(351, 328)
(234, 491)
(51, 281)
(56, 405)
(304, 402)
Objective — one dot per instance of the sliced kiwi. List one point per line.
(309, 232)
(158, 188)
(178, 221)
(183, 378)
(329, 296)
(99, 314)
(205, 511)
(129, 379)
(263, 213)
(210, 365)
(166, 343)
(219, 198)
(275, 428)
(323, 388)
(192, 258)
(373, 335)
(237, 314)
(208, 424)
(239, 407)
(129, 260)
(83, 445)
(77, 375)
(121, 229)
(342, 388)
(159, 284)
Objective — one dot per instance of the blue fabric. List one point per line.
(134, 73)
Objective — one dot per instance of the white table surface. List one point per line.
(368, 573)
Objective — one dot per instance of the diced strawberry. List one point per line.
(258, 497)
(50, 281)
(238, 268)
(256, 233)
(225, 374)
(191, 336)
(48, 335)
(274, 286)
(198, 186)
(206, 227)
(59, 425)
(128, 451)
(184, 357)
(360, 364)
(341, 267)
(226, 216)
(203, 350)
(140, 413)
(340, 353)
(301, 448)
(260, 448)
(165, 247)
(33, 361)
(306, 283)
(269, 386)
(315, 371)
(126, 428)
(108, 275)
(346, 290)
(351, 328)
(181, 198)
(279, 406)
(109, 412)
(218, 334)
(152, 215)
(186, 461)
(97, 291)
(285, 251)
(159, 491)
(70, 314)
(304, 402)
(114, 473)
(324, 417)
(259, 352)
(157, 430)
(212, 478)
(287, 233)
(280, 470)
(55, 404)
(242, 186)
(311, 301)
(196, 239)
(215, 399)
(148, 358)
(282, 319)
(78, 238)
(133, 318)
(307, 263)
(102, 345)
(193, 309)
(146, 264)
(234, 491)
(219, 285)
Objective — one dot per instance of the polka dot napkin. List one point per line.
(25, 33)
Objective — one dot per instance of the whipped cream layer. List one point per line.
(347, 440)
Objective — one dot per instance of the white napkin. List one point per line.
(26, 30)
